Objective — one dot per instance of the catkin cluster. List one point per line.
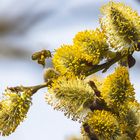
(106, 107)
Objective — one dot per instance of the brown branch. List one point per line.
(105, 66)
(94, 87)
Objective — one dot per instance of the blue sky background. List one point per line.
(33, 25)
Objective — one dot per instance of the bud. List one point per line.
(50, 73)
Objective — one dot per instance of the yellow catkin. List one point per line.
(71, 95)
(69, 58)
(88, 49)
(121, 25)
(117, 88)
(103, 124)
(14, 108)
(93, 43)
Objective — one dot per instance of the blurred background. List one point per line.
(32, 25)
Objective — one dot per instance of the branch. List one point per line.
(105, 66)
(33, 89)
(95, 89)
(38, 87)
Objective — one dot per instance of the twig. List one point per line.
(105, 66)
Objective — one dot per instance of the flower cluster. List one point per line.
(13, 109)
(69, 58)
(107, 108)
(121, 25)
(71, 95)
(103, 124)
(89, 49)
(117, 89)
(93, 43)
(122, 109)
